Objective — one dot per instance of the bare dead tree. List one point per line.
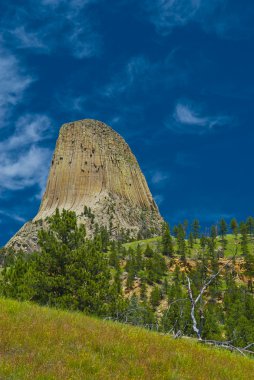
(194, 301)
(229, 346)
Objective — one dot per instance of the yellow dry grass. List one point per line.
(45, 344)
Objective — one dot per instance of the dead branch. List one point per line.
(228, 346)
(197, 299)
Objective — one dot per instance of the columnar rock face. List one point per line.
(94, 168)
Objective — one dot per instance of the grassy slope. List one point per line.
(40, 343)
(229, 251)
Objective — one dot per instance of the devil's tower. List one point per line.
(94, 173)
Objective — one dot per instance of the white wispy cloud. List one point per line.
(23, 161)
(158, 199)
(190, 119)
(138, 77)
(24, 170)
(29, 40)
(30, 129)
(133, 72)
(218, 16)
(159, 176)
(185, 115)
(65, 24)
(142, 74)
(13, 216)
(167, 14)
(84, 41)
(13, 82)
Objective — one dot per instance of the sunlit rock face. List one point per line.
(94, 168)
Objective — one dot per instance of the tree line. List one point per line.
(185, 284)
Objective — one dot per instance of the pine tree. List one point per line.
(166, 240)
(155, 268)
(155, 297)
(104, 235)
(244, 238)
(223, 228)
(130, 279)
(211, 329)
(117, 281)
(249, 269)
(213, 232)
(250, 225)
(148, 251)
(139, 259)
(181, 244)
(143, 290)
(185, 225)
(191, 240)
(138, 313)
(16, 276)
(130, 261)
(211, 244)
(175, 231)
(203, 242)
(214, 288)
(69, 272)
(176, 318)
(234, 227)
(195, 229)
(113, 255)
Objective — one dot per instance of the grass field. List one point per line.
(233, 245)
(46, 344)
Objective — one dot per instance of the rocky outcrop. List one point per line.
(94, 173)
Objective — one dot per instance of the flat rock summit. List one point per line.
(94, 173)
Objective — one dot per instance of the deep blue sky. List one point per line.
(175, 78)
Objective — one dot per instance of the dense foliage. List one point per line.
(187, 283)
(70, 271)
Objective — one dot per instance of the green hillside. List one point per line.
(184, 287)
(40, 343)
(232, 246)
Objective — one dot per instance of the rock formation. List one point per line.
(94, 173)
